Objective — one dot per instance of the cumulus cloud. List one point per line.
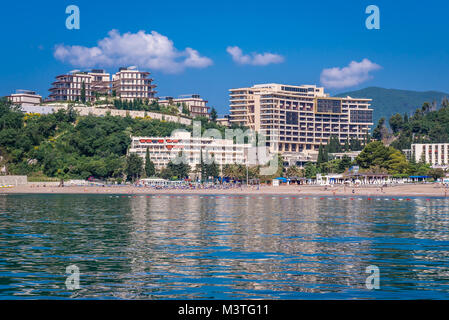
(154, 51)
(255, 59)
(354, 74)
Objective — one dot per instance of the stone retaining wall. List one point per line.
(13, 180)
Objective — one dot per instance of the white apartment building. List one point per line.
(25, 98)
(130, 84)
(299, 118)
(68, 87)
(162, 150)
(196, 105)
(436, 154)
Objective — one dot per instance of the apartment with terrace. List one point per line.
(194, 103)
(130, 84)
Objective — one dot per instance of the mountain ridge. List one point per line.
(387, 102)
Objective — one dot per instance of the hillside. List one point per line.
(387, 102)
(65, 144)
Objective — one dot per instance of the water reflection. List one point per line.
(222, 247)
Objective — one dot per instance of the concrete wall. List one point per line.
(13, 180)
(84, 111)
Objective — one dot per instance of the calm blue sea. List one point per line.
(223, 247)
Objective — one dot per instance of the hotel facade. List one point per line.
(435, 154)
(299, 118)
(162, 150)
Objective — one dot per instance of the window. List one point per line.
(364, 116)
(328, 105)
(291, 117)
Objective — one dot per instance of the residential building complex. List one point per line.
(127, 84)
(69, 87)
(195, 104)
(130, 84)
(25, 98)
(435, 154)
(299, 118)
(162, 150)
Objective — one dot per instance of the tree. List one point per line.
(344, 164)
(149, 165)
(83, 92)
(396, 163)
(179, 170)
(334, 145)
(426, 107)
(185, 109)
(322, 155)
(355, 145)
(436, 173)
(396, 122)
(347, 147)
(310, 170)
(213, 115)
(294, 171)
(212, 170)
(445, 103)
(134, 165)
(377, 132)
(376, 154)
(405, 118)
(234, 171)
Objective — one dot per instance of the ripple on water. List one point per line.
(215, 247)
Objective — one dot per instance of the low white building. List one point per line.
(435, 154)
(340, 155)
(25, 98)
(162, 150)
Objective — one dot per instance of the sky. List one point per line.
(209, 47)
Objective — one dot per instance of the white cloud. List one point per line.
(153, 51)
(255, 59)
(354, 74)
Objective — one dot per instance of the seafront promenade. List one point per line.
(407, 190)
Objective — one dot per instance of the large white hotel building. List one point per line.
(162, 150)
(299, 118)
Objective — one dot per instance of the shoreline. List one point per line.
(417, 190)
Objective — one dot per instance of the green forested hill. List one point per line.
(387, 102)
(66, 145)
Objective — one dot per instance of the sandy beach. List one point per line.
(415, 190)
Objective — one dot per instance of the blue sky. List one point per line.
(410, 51)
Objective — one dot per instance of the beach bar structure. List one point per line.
(368, 178)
